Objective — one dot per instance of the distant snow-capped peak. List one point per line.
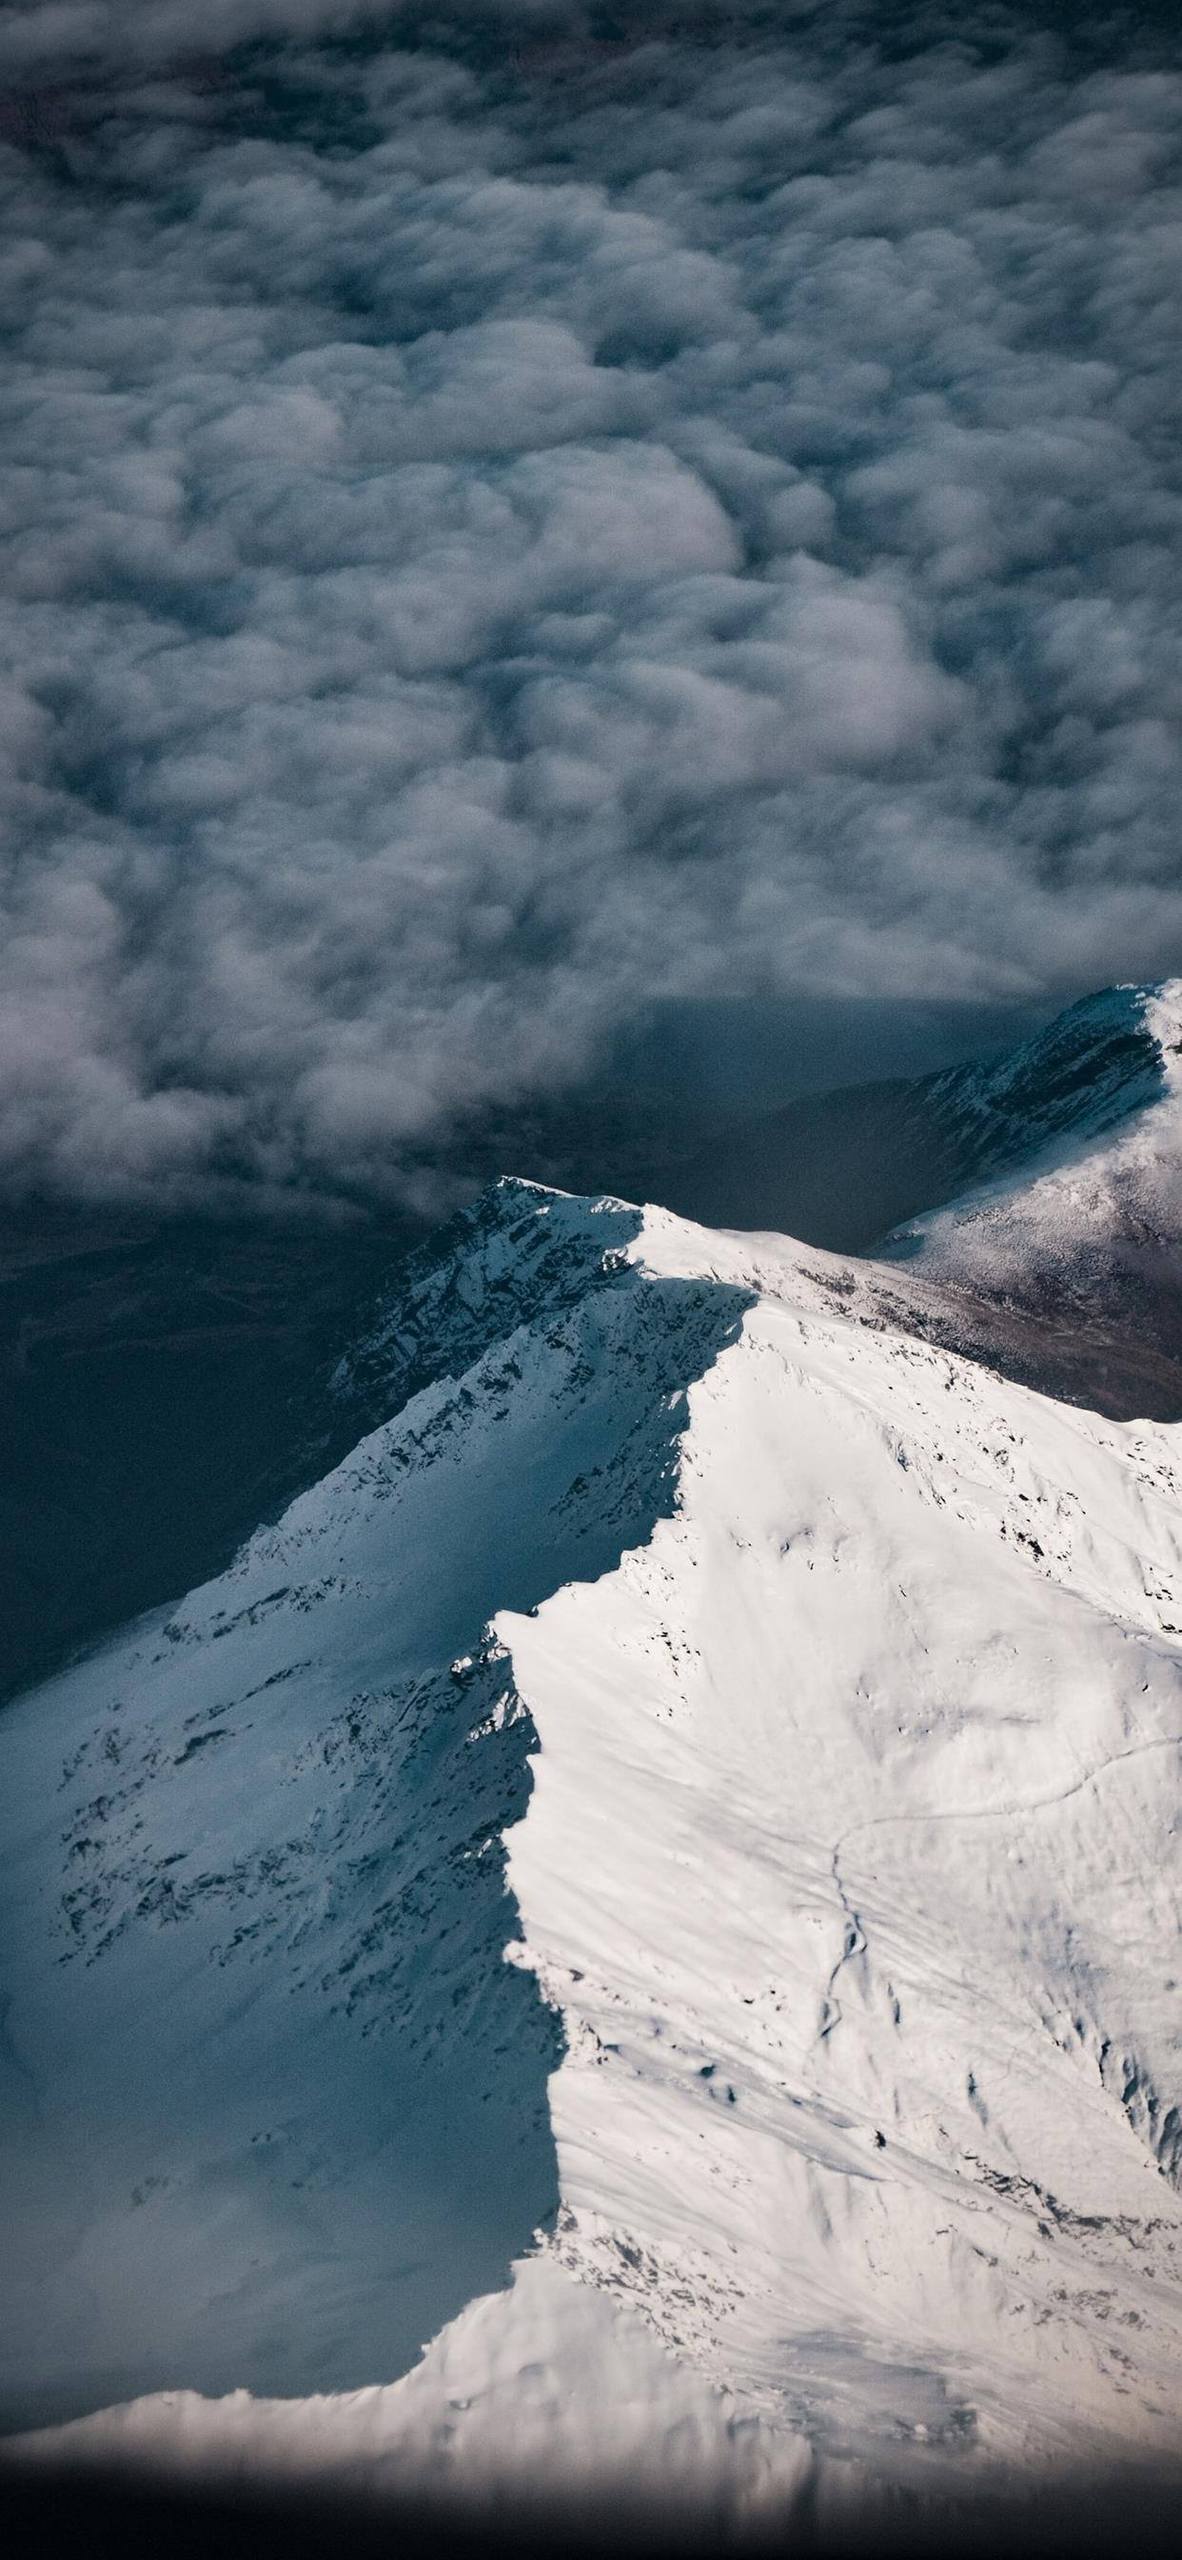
(1094, 1167)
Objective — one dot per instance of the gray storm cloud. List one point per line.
(491, 536)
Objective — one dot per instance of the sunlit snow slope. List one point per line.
(869, 1953)
(1098, 1099)
(849, 1679)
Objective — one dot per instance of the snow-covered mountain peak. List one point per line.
(519, 1251)
(1094, 1212)
(1163, 1019)
(1102, 1059)
(800, 1707)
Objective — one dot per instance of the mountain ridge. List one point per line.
(908, 1143)
(164, 1385)
(1106, 1155)
(810, 1667)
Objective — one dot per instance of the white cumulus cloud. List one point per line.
(493, 531)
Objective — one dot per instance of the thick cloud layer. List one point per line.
(493, 537)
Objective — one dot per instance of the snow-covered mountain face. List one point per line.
(830, 2106)
(844, 1167)
(903, 1674)
(1064, 1266)
(1082, 1133)
(274, 2107)
(1093, 1068)
(164, 1381)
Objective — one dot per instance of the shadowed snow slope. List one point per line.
(850, 1868)
(273, 2106)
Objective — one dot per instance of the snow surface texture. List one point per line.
(869, 1959)
(548, 2394)
(1099, 1099)
(850, 1868)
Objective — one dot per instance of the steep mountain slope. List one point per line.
(843, 1911)
(164, 1381)
(272, 2105)
(1069, 1272)
(882, 1738)
(1101, 1157)
(842, 1168)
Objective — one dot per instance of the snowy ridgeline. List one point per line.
(825, 2119)
(1091, 1113)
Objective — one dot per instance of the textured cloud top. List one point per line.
(496, 530)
